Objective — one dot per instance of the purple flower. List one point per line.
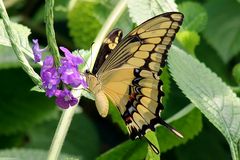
(70, 58)
(65, 99)
(69, 69)
(48, 63)
(49, 76)
(37, 52)
(70, 75)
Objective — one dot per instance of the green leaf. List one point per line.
(84, 23)
(8, 58)
(21, 109)
(82, 138)
(207, 91)
(13, 140)
(223, 28)
(151, 155)
(195, 16)
(22, 34)
(189, 40)
(130, 150)
(188, 122)
(37, 89)
(117, 118)
(165, 77)
(60, 12)
(88, 95)
(30, 154)
(200, 149)
(236, 73)
(213, 60)
(144, 10)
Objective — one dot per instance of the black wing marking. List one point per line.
(109, 43)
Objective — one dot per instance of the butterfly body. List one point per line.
(127, 72)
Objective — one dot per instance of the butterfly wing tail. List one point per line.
(168, 126)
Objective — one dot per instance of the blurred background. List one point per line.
(28, 119)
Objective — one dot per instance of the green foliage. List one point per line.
(30, 154)
(189, 40)
(222, 30)
(143, 10)
(204, 146)
(195, 16)
(236, 73)
(116, 117)
(83, 23)
(21, 109)
(30, 114)
(213, 97)
(60, 12)
(82, 139)
(7, 58)
(205, 53)
(130, 150)
(22, 34)
(165, 77)
(151, 155)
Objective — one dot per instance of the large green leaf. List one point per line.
(21, 109)
(21, 32)
(84, 23)
(30, 154)
(189, 40)
(143, 10)
(8, 58)
(81, 140)
(223, 28)
(213, 60)
(117, 118)
(204, 146)
(195, 16)
(207, 91)
(130, 150)
(188, 121)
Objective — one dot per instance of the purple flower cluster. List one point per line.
(65, 76)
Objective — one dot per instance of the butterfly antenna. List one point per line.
(153, 147)
(173, 130)
(91, 55)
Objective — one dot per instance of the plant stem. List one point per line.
(183, 112)
(234, 150)
(67, 115)
(16, 47)
(62, 129)
(49, 20)
(109, 24)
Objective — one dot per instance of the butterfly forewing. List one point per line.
(109, 43)
(130, 74)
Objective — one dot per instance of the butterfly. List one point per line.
(127, 72)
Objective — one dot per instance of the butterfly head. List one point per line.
(87, 72)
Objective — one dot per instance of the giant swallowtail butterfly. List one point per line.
(127, 71)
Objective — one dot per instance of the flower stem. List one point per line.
(234, 150)
(16, 47)
(67, 115)
(62, 129)
(109, 24)
(49, 20)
